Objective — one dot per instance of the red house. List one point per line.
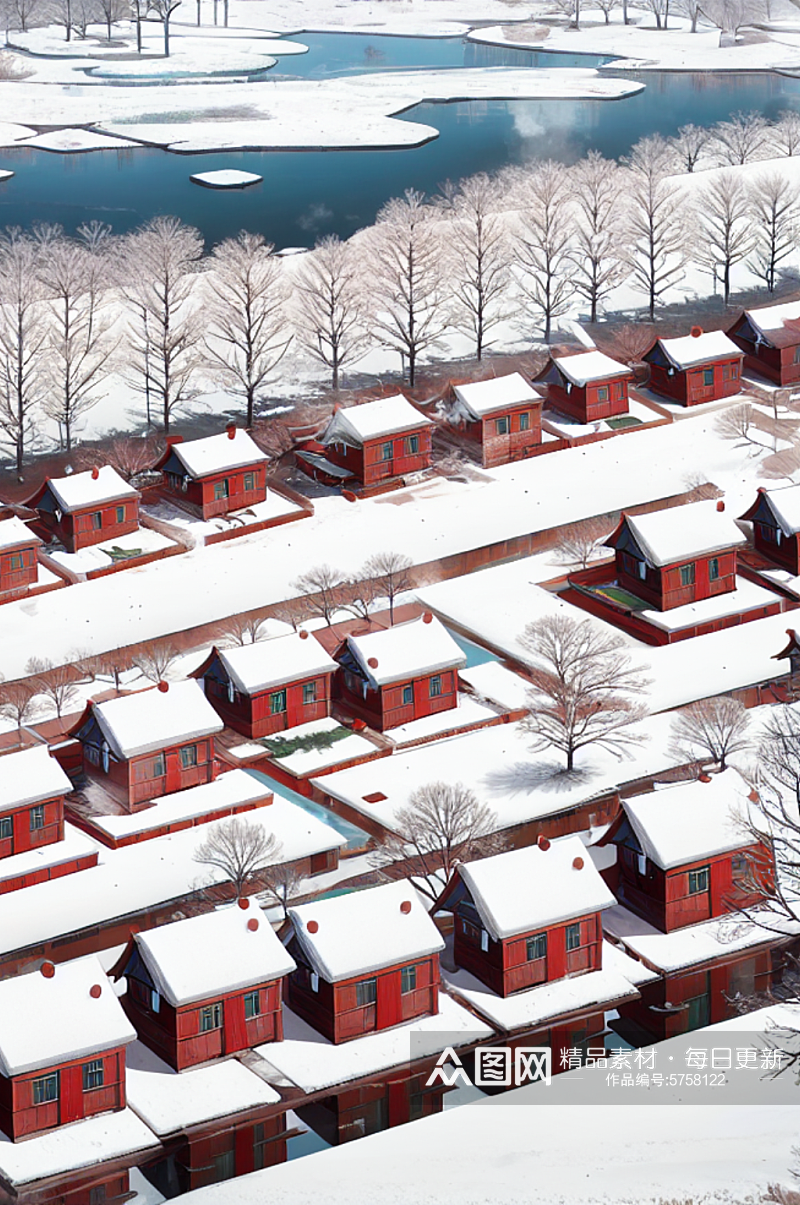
(393, 676)
(19, 568)
(263, 688)
(87, 508)
(528, 916)
(62, 1047)
(684, 855)
(32, 790)
(149, 744)
(366, 961)
(378, 441)
(215, 475)
(695, 368)
(770, 340)
(503, 414)
(678, 555)
(775, 516)
(588, 386)
(206, 986)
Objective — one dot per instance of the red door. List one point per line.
(389, 1005)
(71, 1094)
(234, 1023)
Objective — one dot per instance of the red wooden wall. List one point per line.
(333, 1009)
(688, 387)
(19, 1116)
(504, 966)
(584, 403)
(663, 587)
(14, 578)
(24, 837)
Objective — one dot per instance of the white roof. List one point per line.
(364, 931)
(255, 667)
(589, 366)
(14, 532)
(697, 349)
(218, 453)
(29, 776)
(371, 420)
(406, 650)
(209, 955)
(498, 393)
(772, 317)
(679, 533)
(82, 489)
(693, 820)
(529, 888)
(785, 504)
(46, 1021)
(153, 719)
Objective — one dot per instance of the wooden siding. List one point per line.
(368, 464)
(688, 387)
(504, 966)
(252, 715)
(140, 784)
(20, 1117)
(515, 444)
(785, 552)
(662, 586)
(333, 1010)
(384, 708)
(45, 873)
(24, 836)
(14, 578)
(77, 530)
(584, 402)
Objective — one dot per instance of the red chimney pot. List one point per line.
(704, 778)
(542, 841)
(163, 686)
(245, 904)
(231, 429)
(427, 617)
(95, 473)
(312, 927)
(252, 924)
(95, 991)
(303, 634)
(372, 662)
(721, 506)
(577, 863)
(696, 332)
(48, 970)
(405, 907)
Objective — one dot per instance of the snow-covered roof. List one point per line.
(364, 931)
(769, 320)
(498, 393)
(679, 533)
(29, 776)
(785, 504)
(689, 350)
(14, 533)
(256, 667)
(204, 956)
(153, 719)
(372, 420)
(525, 889)
(694, 820)
(218, 453)
(590, 366)
(68, 1015)
(402, 652)
(84, 489)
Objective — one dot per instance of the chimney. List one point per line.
(696, 332)
(312, 927)
(721, 505)
(577, 863)
(405, 907)
(252, 924)
(542, 841)
(163, 686)
(95, 991)
(372, 662)
(95, 473)
(303, 634)
(427, 617)
(231, 429)
(48, 970)
(704, 778)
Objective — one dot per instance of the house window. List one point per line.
(309, 692)
(224, 1166)
(6, 828)
(188, 756)
(93, 1075)
(120, 514)
(408, 979)
(252, 1005)
(536, 947)
(524, 421)
(572, 934)
(37, 817)
(158, 766)
(220, 490)
(501, 426)
(387, 451)
(713, 569)
(796, 356)
(435, 686)
(619, 389)
(739, 867)
(767, 533)
(687, 575)
(277, 702)
(249, 482)
(211, 1017)
(408, 695)
(602, 393)
(412, 445)
(17, 561)
(698, 881)
(366, 992)
(97, 520)
(708, 376)
(45, 1089)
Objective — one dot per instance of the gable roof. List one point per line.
(16, 534)
(209, 955)
(778, 325)
(152, 719)
(83, 489)
(589, 366)
(218, 453)
(678, 533)
(498, 393)
(47, 1020)
(365, 931)
(29, 776)
(784, 504)
(691, 350)
(256, 667)
(691, 821)
(526, 889)
(372, 420)
(407, 650)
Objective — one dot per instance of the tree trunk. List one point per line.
(215, 11)
(198, 11)
(138, 31)
(69, 21)
(166, 36)
(570, 757)
(225, 10)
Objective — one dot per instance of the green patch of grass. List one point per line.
(121, 554)
(624, 420)
(616, 595)
(280, 746)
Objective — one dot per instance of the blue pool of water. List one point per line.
(356, 837)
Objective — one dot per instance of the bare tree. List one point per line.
(330, 316)
(736, 424)
(139, 11)
(113, 664)
(240, 848)
(786, 133)
(711, 729)
(358, 596)
(247, 333)
(323, 586)
(22, 14)
(243, 629)
(23, 338)
(164, 10)
(159, 260)
(656, 221)
(57, 683)
(571, 10)
(154, 659)
(19, 700)
(660, 10)
(283, 884)
(544, 242)
(597, 259)
(391, 573)
(730, 15)
(579, 543)
(629, 343)
(742, 138)
(130, 455)
(691, 142)
(113, 11)
(725, 224)
(606, 8)
(480, 255)
(407, 285)
(774, 209)
(583, 687)
(442, 823)
(693, 10)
